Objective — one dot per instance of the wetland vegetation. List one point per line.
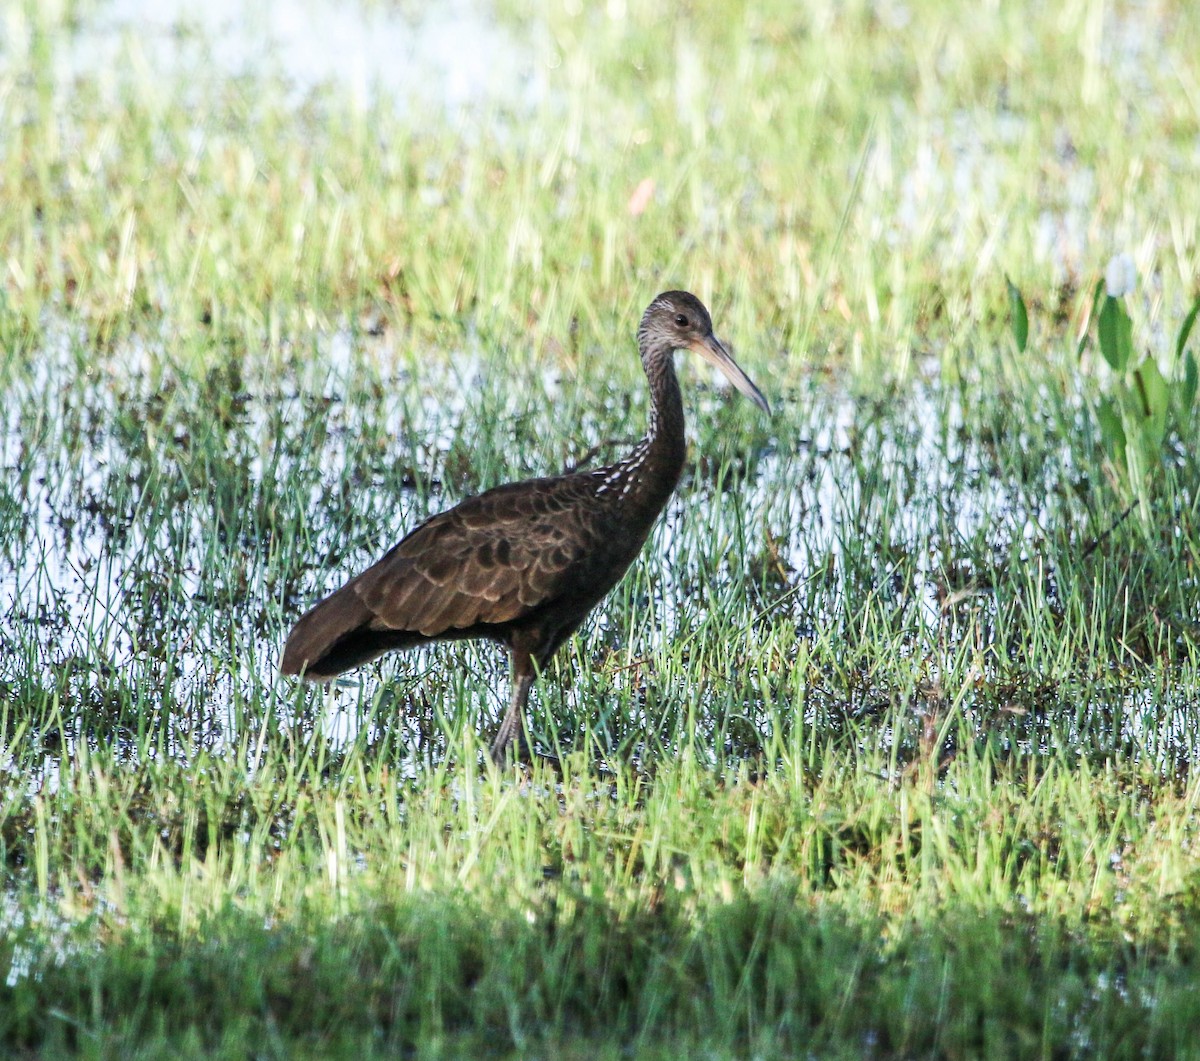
(884, 748)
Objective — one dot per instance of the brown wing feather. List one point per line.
(490, 560)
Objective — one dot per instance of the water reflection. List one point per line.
(451, 56)
(155, 548)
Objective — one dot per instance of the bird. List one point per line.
(523, 564)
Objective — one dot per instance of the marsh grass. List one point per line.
(886, 746)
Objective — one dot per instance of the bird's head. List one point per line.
(677, 320)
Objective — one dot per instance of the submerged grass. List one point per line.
(884, 749)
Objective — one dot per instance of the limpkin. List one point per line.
(524, 563)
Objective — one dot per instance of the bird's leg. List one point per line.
(510, 727)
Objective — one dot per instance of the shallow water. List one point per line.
(115, 597)
(138, 564)
(452, 56)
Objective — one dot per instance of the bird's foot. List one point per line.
(517, 752)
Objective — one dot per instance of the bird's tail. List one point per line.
(337, 634)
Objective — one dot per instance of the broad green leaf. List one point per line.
(1112, 434)
(1019, 318)
(1125, 334)
(1187, 394)
(1116, 333)
(1185, 329)
(1155, 398)
(1097, 291)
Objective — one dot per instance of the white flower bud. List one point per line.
(1120, 278)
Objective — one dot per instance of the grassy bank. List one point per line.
(883, 749)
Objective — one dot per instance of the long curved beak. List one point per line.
(713, 351)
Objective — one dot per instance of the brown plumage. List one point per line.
(522, 564)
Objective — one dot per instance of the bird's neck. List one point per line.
(643, 481)
(665, 444)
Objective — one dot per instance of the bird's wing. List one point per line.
(491, 559)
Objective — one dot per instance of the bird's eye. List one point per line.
(681, 320)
